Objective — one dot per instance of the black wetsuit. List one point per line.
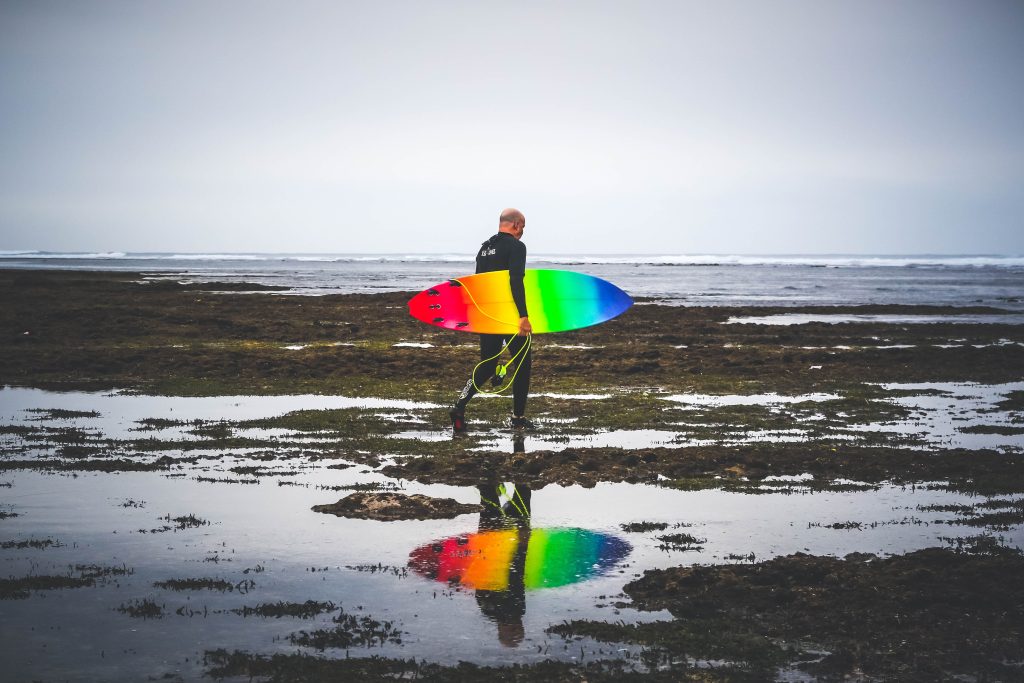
(503, 252)
(507, 607)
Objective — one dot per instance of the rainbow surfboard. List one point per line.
(554, 557)
(557, 300)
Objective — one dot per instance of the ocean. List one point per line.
(689, 280)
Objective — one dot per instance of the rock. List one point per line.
(388, 507)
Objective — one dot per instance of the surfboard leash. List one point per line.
(502, 369)
(503, 491)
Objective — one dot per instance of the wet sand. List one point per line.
(673, 398)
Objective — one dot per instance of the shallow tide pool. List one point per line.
(257, 540)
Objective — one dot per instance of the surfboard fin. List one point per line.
(454, 283)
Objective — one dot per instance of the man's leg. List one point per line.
(521, 384)
(491, 345)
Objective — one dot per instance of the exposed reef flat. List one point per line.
(104, 330)
(902, 439)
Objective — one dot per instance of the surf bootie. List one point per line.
(458, 421)
(521, 424)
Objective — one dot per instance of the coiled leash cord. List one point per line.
(502, 369)
(514, 499)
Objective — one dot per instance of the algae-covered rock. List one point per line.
(388, 507)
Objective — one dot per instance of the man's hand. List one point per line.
(525, 327)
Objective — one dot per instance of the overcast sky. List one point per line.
(633, 126)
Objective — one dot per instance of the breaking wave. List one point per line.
(828, 261)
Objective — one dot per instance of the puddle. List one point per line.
(961, 416)
(120, 414)
(482, 587)
(805, 318)
(947, 415)
(711, 401)
(476, 598)
(656, 438)
(435, 436)
(628, 439)
(456, 589)
(576, 397)
(844, 347)
(883, 347)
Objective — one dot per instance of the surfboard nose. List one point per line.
(617, 301)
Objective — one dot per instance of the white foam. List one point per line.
(827, 260)
(835, 318)
(835, 261)
(64, 255)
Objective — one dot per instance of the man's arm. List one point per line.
(516, 272)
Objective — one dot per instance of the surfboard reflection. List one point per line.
(508, 557)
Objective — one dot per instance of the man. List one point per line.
(506, 507)
(503, 251)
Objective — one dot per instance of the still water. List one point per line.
(480, 587)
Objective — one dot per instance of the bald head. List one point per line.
(513, 222)
(511, 216)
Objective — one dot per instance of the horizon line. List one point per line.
(99, 253)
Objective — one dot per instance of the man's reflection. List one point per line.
(507, 556)
(506, 508)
